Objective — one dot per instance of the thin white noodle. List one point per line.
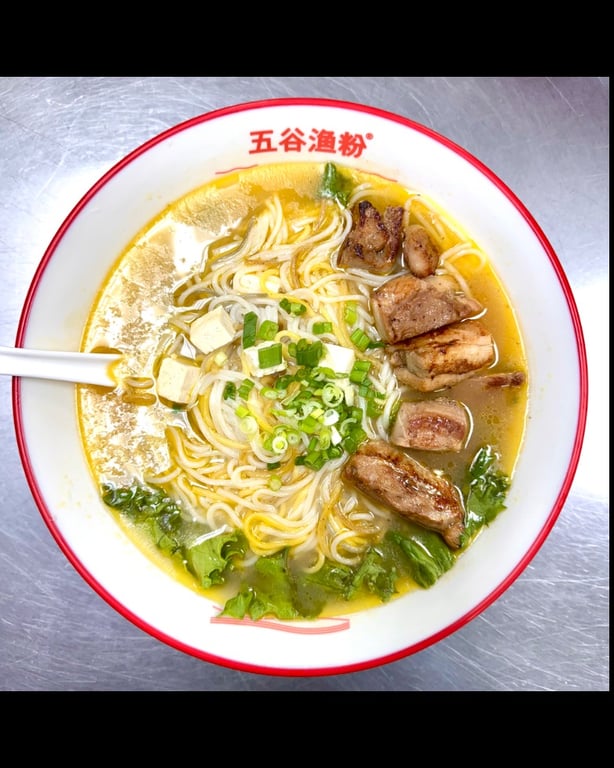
(219, 470)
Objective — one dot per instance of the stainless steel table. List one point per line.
(546, 138)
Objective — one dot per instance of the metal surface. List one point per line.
(547, 139)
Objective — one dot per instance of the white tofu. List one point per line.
(177, 380)
(250, 283)
(250, 356)
(212, 330)
(340, 359)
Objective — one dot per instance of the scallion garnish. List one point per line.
(360, 371)
(332, 395)
(267, 330)
(308, 353)
(322, 327)
(350, 314)
(230, 391)
(275, 482)
(269, 356)
(360, 339)
(250, 321)
(293, 307)
(246, 387)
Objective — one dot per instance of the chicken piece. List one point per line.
(441, 424)
(420, 254)
(373, 242)
(407, 306)
(388, 475)
(443, 357)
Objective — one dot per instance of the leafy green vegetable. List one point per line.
(271, 591)
(335, 185)
(428, 556)
(485, 491)
(376, 574)
(210, 558)
(274, 589)
(149, 508)
(206, 555)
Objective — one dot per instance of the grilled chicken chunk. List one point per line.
(389, 475)
(420, 253)
(441, 424)
(407, 306)
(443, 357)
(374, 241)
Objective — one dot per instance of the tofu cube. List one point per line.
(340, 359)
(177, 380)
(212, 330)
(250, 357)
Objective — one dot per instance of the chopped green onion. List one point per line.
(330, 417)
(360, 339)
(249, 329)
(309, 425)
(315, 460)
(308, 353)
(323, 327)
(350, 315)
(242, 411)
(324, 438)
(267, 330)
(375, 407)
(360, 371)
(269, 356)
(283, 382)
(279, 443)
(273, 465)
(270, 393)
(230, 391)
(293, 307)
(332, 395)
(248, 425)
(246, 387)
(294, 436)
(275, 482)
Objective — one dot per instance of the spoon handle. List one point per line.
(78, 367)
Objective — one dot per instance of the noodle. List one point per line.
(236, 462)
(272, 520)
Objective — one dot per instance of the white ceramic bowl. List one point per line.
(127, 198)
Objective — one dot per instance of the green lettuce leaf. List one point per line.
(427, 555)
(485, 491)
(335, 185)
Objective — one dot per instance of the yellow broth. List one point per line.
(124, 431)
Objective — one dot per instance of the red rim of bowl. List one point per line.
(563, 491)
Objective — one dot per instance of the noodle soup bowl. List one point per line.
(135, 193)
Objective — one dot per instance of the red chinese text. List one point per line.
(295, 140)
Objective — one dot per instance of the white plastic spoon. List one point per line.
(78, 367)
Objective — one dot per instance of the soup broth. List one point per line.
(238, 451)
